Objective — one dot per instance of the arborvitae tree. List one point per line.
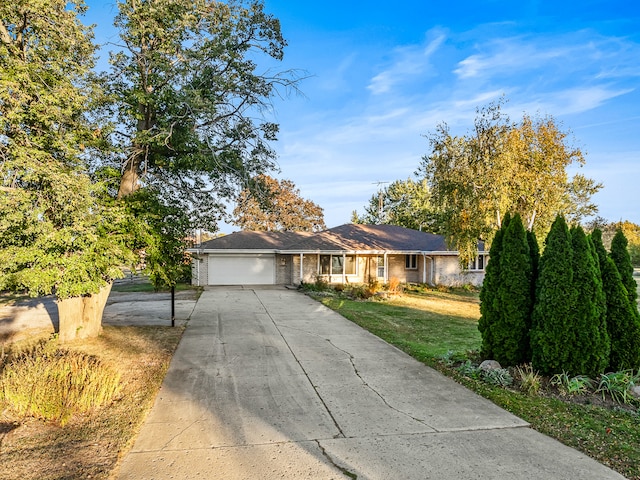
(488, 307)
(510, 331)
(551, 333)
(621, 258)
(534, 253)
(601, 298)
(589, 351)
(623, 319)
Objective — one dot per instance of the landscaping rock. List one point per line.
(489, 365)
(635, 391)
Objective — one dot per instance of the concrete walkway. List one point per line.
(269, 384)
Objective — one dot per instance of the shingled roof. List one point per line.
(355, 237)
(349, 238)
(250, 240)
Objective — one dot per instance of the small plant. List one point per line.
(498, 376)
(451, 358)
(54, 384)
(577, 385)
(321, 284)
(618, 385)
(469, 369)
(530, 380)
(373, 286)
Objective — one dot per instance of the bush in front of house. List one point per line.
(488, 306)
(622, 316)
(513, 301)
(582, 318)
(551, 332)
(591, 347)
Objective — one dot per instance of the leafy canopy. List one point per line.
(190, 101)
(276, 206)
(405, 203)
(502, 167)
(59, 231)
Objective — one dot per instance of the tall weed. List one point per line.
(47, 382)
(530, 380)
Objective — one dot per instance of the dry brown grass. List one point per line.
(441, 304)
(90, 445)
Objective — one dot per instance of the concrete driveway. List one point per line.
(269, 384)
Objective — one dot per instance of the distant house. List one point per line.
(346, 254)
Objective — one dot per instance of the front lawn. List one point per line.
(425, 326)
(89, 445)
(431, 323)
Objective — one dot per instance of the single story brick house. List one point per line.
(350, 253)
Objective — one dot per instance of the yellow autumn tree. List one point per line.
(501, 167)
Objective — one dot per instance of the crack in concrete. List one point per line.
(355, 369)
(164, 447)
(341, 433)
(366, 384)
(344, 471)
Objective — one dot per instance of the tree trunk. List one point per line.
(81, 317)
(130, 179)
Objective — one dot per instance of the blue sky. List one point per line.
(383, 74)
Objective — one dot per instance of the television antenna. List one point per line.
(380, 198)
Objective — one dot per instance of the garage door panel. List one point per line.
(241, 269)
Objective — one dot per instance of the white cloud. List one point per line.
(337, 78)
(509, 55)
(409, 62)
(567, 101)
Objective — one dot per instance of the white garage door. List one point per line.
(242, 269)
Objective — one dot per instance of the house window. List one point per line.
(325, 264)
(477, 263)
(411, 262)
(380, 267)
(337, 265)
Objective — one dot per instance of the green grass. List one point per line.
(445, 326)
(426, 325)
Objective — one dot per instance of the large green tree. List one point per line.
(489, 306)
(405, 203)
(190, 100)
(589, 344)
(620, 256)
(513, 299)
(552, 335)
(623, 318)
(59, 230)
(276, 206)
(503, 166)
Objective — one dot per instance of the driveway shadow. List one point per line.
(26, 316)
